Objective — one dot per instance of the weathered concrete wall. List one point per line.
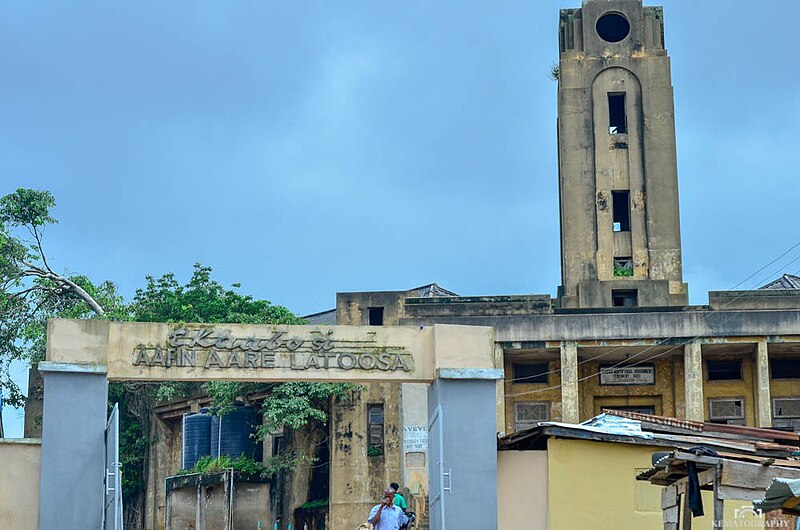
(593, 161)
(415, 458)
(639, 324)
(207, 502)
(522, 490)
(766, 299)
(358, 480)
(522, 391)
(661, 395)
(478, 306)
(20, 461)
(34, 404)
(732, 389)
(164, 461)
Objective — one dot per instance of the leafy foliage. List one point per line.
(246, 465)
(295, 404)
(31, 291)
(622, 271)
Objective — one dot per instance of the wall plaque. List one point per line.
(644, 374)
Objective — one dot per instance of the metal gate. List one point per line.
(112, 503)
(440, 480)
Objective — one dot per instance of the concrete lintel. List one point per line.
(469, 373)
(21, 441)
(47, 366)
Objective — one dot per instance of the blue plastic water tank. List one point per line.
(196, 439)
(233, 434)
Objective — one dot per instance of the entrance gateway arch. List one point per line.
(83, 355)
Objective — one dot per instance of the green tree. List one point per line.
(31, 291)
(204, 300)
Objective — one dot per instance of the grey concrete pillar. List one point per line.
(73, 446)
(570, 404)
(500, 395)
(763, 395)
(693, 380)
(462, 449)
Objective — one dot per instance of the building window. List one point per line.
(375, 316)
(617, 122)
(612, 27)
(785, 368)
(646, 409)
(278, 444)
(621, 208)
(375, 429)
(623, 266)
(530, 373)
(624, 297)
(730, 411)
(786, 413)
(730, 370)
(528, 413)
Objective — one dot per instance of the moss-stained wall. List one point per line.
(743, 388)
(517, 392)
(660, 396)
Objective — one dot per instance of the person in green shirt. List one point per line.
(398, 499)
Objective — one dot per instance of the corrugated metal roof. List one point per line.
(657, 431)
(787, 281)
(754, 433)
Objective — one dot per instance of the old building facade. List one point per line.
(620, 334)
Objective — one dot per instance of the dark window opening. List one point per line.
(621, 207)
(617, 122)
(375, 430)
(278, 444)
(623, 266)
(530, 373)
(724, 370)
(785, 368)
(624, 297)
(612, 27)
(375, 316)
(647, 409)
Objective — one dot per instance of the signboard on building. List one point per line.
(644, 374)
(415, 438)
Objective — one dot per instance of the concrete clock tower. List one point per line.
(618, 183)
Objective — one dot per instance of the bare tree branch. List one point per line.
(41, 250)
(65, 284)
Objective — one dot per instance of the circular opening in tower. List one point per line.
(613, 27)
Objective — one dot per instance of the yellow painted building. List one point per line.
(573, 483)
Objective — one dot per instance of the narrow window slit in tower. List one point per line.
(617, 122)
(620, 204)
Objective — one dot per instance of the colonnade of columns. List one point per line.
(693, 382)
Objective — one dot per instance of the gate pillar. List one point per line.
(462, 449)
(73, 445)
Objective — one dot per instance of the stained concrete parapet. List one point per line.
(633, 324)
(767, 299)
(479, 305)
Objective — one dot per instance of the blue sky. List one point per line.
(305, 148)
